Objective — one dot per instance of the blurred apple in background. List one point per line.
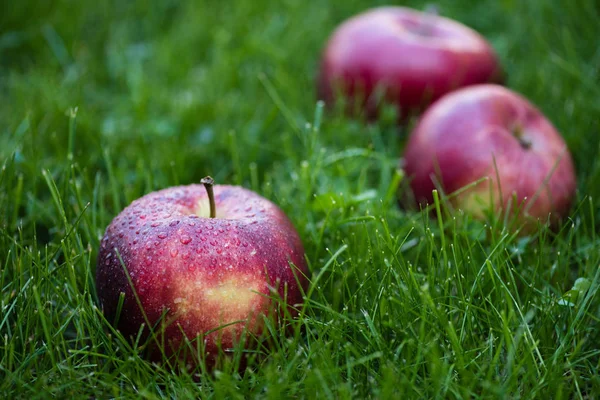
(490, 132)
(200, 275)
(408, 57)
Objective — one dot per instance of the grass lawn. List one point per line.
(103, 102)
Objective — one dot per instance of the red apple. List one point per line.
(490, 132)
(413, 58)
(213, 277)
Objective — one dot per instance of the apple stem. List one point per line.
(432, 9)
(208, 183)
(518, 134)
(426, 28)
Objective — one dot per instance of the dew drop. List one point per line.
(199, 230)
(162, 235)
(154, 224)
(174, 252)
(173, 223)
(185, 239)
(213, 243)
(142, 216)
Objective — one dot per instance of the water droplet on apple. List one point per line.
(203, 238)
(199, 230)
(221, 230)
(199, 250)
(162, 235)
(210, 228)
(213, 243)
(154, 224)
(142, 216)
(245, 244)
(185, 256)
(173, 223)
(174, 252)
(121, 235)
(185, 239)
(219, 250)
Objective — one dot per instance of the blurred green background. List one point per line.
(102, 102)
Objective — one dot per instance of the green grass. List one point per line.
(102, 103)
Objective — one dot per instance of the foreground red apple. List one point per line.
(412, 57)
(488, 131)
(205, 276)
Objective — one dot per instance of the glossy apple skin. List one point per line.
(458, 138)
(414, 57)
(207, 272)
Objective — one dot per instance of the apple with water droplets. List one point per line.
(491, 151)
(407, 57)
(208, 262)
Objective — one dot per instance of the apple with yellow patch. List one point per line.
(491, 150)
(204, 262)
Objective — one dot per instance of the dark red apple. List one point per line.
(213, 277)
(410, 57)
(490, 132)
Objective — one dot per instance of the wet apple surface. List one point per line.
(208, 276)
